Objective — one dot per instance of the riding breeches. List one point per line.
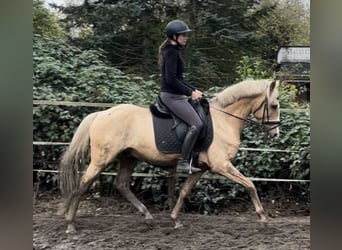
(179, 105)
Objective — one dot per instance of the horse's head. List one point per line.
(267, 112)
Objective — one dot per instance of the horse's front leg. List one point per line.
(171, 187)
(230, 172)
(187, 187)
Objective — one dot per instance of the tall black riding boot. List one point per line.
(187, 147)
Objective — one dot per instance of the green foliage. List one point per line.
(222, 34)
(208, 196)
(253, 68)
(44, 22)
(152, 190)
(286, 24)
(65, 73)
(295, 138)
(129, 32)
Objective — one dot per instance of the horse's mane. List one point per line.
(240, 90)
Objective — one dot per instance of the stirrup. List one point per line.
(184, 167)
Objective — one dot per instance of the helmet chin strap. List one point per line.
(176, 40)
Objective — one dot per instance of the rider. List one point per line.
(174, 91)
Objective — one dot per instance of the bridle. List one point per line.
(265, 120)
(265, 116)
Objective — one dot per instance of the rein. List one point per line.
(265, 117)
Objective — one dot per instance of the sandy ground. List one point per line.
(105, 223)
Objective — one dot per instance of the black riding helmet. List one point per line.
(176, 27)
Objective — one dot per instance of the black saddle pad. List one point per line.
(167, 139)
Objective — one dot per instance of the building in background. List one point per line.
(293, 67)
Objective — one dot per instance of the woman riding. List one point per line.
(174, 91)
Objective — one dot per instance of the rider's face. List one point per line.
(182, 38)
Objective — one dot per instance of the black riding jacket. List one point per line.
(172, 72)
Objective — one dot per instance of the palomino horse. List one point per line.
(124, 133)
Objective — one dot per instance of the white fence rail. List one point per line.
(205, 176)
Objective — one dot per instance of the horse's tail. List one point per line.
(75, 157)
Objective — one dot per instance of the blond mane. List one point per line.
(240, 90)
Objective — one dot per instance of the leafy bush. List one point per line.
(63, 72)
(253, 67)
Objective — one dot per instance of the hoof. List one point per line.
(263, 219)
(71, 229)
(262, 216)
(149, 220)
(148, 217)
(178, 225)
(263, 222)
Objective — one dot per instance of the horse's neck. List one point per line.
(234, 115)
(231, 119)
(241, 108)
(228, 125)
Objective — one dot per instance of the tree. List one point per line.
(130, 33)
(45, 23)
(223, 33)
(288, 24)
(127, 31)
(66, 73)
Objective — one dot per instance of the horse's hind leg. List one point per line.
(232, 173)
(73, 200)
(186, 189)
(122, 183)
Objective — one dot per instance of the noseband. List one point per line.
(265, 120)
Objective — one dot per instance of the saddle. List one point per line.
(170, 131)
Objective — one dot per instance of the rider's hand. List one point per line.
(196, 95)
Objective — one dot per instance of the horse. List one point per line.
(124, 133)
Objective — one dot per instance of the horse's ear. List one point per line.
(273, 86)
